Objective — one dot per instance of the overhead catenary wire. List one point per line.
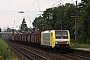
(38, 5)
(31, 5)
(28, 10)
(56, 3)
(50, 6)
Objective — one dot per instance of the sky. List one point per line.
(9, 16)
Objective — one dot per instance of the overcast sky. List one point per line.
(9, 16)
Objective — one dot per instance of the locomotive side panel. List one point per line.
(45, 38)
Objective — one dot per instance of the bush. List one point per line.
(1, 58)
(4, 50)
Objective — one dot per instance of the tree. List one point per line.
(83, 4)
(57, 16)
(24, 26)
(84, 25)
(60, 16)
(0, 29)
(9, 30)
(40, 23)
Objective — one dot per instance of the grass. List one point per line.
(5, 53)
(14, 58)
(82, 45)
(1, 58)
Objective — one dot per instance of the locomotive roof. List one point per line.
(48, 31)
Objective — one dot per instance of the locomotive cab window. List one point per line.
(61, 34)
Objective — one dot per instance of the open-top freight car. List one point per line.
(36, 38)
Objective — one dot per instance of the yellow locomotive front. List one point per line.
(62, 39)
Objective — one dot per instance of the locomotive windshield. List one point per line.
(61, 34)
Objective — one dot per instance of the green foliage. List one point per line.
(56, 17)
(80, 45)
(1, 58)
(4, 50)
(5, 53)
(9, 30)
(60, 18)
(84, 30)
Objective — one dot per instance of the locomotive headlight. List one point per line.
(67, 42)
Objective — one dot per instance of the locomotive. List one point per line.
(53, 39)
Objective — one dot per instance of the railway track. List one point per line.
(75, 56)
(42, 54)
(57, 56)
(29, 54)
